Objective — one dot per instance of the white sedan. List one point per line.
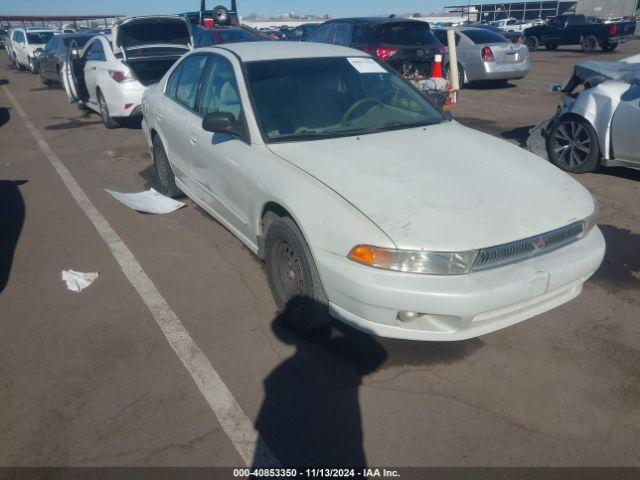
(112, 72)
(363, 199)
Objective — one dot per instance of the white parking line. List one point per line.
(233, 420)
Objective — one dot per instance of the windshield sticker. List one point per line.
(366, 65)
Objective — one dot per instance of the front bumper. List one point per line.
(457, 307)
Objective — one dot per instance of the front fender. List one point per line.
(597, 105)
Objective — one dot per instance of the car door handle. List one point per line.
(93, 68)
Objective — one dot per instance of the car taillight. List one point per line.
(487, 55)
(120, 76)
(383, 53)
(613, 30)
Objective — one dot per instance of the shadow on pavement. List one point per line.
(489, 85)
(3, 81)
(12, 212)
(70, 125)
(620, 172)
(5, 116)
(519, 134)
(621, 265)
(311, 412)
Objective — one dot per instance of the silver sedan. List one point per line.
(486, 55)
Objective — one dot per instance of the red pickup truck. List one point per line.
(588, 32)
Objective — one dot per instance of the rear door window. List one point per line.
(187, 89)
(343, 34)
(323, 34)
(96, 52)
(484, 36)
(406, 33)
(219, 92)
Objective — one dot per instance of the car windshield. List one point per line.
(406, 33)
(36, 38)
(316, 98)
(81, 41)
(484, 36)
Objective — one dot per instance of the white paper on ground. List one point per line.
(148, 202)
(366, 65)
(78, 281)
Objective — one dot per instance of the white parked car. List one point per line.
(363, 199)
(110, 74)
(25, 42)
(598, 124)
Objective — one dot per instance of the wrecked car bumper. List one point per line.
(461, 306)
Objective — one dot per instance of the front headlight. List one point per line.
(592, 220)
(414, 261)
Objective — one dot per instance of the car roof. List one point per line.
(377, 20)
(257, 51)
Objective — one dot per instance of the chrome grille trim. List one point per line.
(519, 250)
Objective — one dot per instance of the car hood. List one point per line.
(444, 187)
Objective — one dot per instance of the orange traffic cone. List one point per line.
(437, 67)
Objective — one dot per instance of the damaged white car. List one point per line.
(363, 199)
(598, 125)
(111, 73)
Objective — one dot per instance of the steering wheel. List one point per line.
(347, 116)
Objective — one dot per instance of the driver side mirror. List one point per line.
(223, 122)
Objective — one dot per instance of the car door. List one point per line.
(175, 110)
(19, 40)
(553, 34)
(218, 160)
(624, 127)
(95, 59)
(343, 34)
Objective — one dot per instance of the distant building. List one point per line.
(532, 10)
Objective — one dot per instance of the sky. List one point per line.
(261, 7)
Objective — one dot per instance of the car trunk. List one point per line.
(150, 69)
(416, 46)
(151, 45)
(507, 53)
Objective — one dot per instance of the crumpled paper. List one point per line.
(150, 201)
(78, 281)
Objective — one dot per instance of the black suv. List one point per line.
(406, 45)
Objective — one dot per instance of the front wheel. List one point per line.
(532, 43)
(293, 276)
(589, 43)
(107, 120)
(572, 145)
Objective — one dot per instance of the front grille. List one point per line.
(529, 247)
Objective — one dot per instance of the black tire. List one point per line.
(572, 145)
(589, 43)
(165, 179)
(293, 277)
(532, 43)
(551, 47)
(19, 65)
(608, 46)
(460, 75)
(107, 120)
(45, 81)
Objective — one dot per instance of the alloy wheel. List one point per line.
(571, 144)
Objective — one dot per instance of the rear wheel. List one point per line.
(532, 43)
(293, 276)
(460, 75)
(107, 120)
(608, 46)
(166, 180)
(589, 43)
(573, 145)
